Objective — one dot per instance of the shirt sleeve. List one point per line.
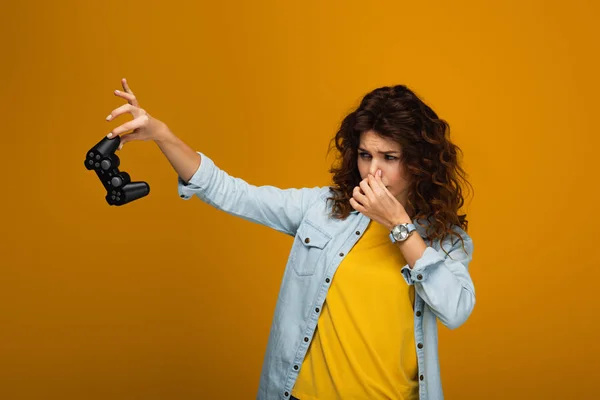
(280, 209)
(443, 281)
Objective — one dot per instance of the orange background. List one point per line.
(167, 299)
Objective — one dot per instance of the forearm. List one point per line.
(412, 248)
(182, 157)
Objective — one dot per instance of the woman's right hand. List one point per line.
(143, 125)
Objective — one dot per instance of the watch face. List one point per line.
(401, 232)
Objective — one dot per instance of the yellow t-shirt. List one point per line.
(363, 346)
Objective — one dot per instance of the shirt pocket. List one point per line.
(310, 247)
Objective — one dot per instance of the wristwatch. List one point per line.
(402, 232)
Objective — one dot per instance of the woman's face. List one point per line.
(375, 152)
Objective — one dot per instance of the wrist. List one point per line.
(163, 134)
(403, 219)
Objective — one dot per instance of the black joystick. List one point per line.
(119, 188)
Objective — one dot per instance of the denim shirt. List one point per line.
(443, 287)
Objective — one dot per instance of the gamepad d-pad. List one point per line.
(119, 188)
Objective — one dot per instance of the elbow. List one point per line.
(454, 323)
(459, 314)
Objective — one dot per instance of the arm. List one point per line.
(443, 282)
(280, 209)
(184, 160)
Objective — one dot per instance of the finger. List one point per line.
(374, 185)
(356, 205)
(359, 196)
(129, 126)
(378, 179)
(364, 184)
(383, 187)
(130, 97)
(128, 90)
(378, 183)
(128, 138)
(120, 110)
(126, 86)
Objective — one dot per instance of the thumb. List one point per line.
(127, 138)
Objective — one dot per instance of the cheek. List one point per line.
(393, 174)
(363, 169)
(395, 179)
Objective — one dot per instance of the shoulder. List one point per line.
(315, 194)
(318, 195)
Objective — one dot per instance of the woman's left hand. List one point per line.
(376, 202)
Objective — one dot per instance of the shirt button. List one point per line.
(420, 345)
(306, 339)
(286, 394)
(182, 195)
(327, 280)
(421, 377)
(307, 240)
(296, 367)
(419, 277)
(341, 254)
(418, 313)
(317, 309)
(358, 232)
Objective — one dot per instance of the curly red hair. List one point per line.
(431, 159)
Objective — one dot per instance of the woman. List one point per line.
(376, 260)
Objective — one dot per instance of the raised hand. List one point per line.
(143, 125)
(374, 200)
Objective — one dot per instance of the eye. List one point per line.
(388, 157)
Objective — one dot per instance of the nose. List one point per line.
(373, 169)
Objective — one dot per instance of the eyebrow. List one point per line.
(380, 152)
